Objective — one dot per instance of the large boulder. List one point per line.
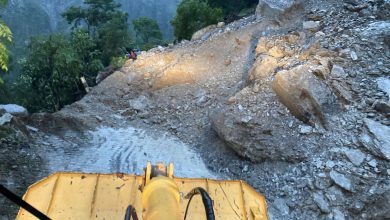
(278, 9)
(257, 139)
(307, 97)
(15, 110)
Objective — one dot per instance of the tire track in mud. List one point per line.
(125, 150)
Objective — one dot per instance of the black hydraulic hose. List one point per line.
(131, 213)
(206, 199)
(20, 202)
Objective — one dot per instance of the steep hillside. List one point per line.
(294, 100)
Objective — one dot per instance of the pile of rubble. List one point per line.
(20, 164)
(310, 112)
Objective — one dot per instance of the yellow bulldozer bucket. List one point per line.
(156, 195)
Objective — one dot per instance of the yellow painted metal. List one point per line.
(106, 196)
(160, 194)
(161, 200)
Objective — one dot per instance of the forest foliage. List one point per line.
(51, 72)
(193, 15)
(233, 8)
(5, 40)
(148, 34)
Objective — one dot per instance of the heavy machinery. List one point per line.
(155, 195)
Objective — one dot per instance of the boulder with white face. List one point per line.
(15, 110)
(278, 9)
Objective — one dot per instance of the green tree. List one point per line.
(192, 15)
(232, 8)
(95, 13)
(5, 38)
(87, 53)
(50, 75)
(114, 36)
(148, 32)
(105, 24)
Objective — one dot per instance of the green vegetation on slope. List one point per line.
(5, 38)
(148, 33)
(233, 8)
(50, 75)
(51, 72)
(105, 24)
(192, 15)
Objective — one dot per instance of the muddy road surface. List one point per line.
(124, 150)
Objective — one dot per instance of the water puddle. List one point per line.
(125, 150)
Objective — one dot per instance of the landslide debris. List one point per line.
(20, 165)
(294, 102)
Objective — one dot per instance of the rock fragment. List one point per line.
(338, 215)
(5, 119)
(379, 144)
(140, 103)
(342, 91)
(263, 67)
(304, 129)
(384, 85)
(311, 25)
(383, 107)
(373, 163)
(354, 56)
(220, 24)
(341, 180)
(281, 205)
(321, 202)
(338, 71)
(355, 156)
